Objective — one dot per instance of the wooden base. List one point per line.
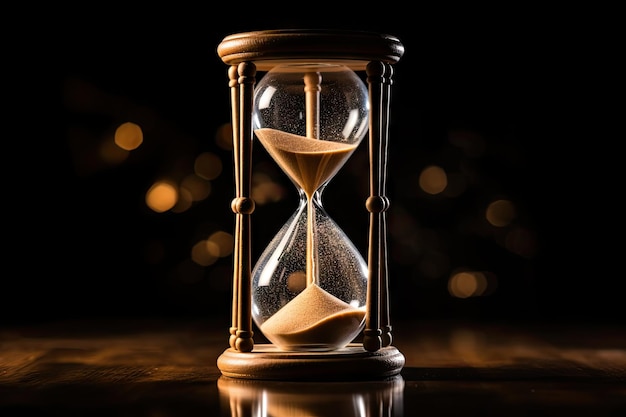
(350, 363)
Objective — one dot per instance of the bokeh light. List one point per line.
(208, 166)
(522, 242)
(224, 136)
(128, 136)
(223, 242)
(265, 190)
(162, 196)
(198, 187)
(465, 284)
(433, 179)
(184, 202)
(500, 213)
(207, 251)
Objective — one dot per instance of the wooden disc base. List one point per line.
(353, 362)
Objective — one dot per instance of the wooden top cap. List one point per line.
(269, 48)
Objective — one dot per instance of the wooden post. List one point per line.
(243, 206)
(377, 332)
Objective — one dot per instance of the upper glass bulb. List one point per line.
(321, 101)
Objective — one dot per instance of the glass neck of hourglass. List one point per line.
(316, 197)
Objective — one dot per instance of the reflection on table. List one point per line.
(254, 398)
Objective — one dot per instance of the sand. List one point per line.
(309, 162)
(314, 319)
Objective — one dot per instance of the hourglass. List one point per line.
(311, 292)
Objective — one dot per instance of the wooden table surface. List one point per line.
(164, 368)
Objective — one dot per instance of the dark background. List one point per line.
(536, 86)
